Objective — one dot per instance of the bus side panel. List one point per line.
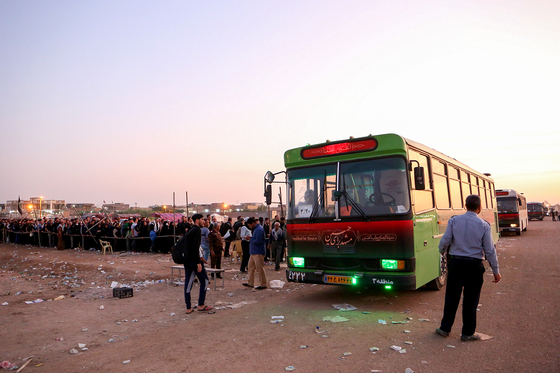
(426, 248)
(524, 218)
(491, 216)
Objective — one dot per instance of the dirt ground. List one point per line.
(150, 332)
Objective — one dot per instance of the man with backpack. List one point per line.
(193, 266)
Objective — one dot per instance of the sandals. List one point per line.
(206, 308)
(190, 311)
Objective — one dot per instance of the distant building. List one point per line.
(77, 208)
(113, 207)
(36, 206)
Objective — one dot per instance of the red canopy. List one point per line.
(168, 216)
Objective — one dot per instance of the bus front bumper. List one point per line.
(509, 229)
(382, 280)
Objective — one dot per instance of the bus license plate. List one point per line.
(344, 280)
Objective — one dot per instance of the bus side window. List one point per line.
(474, 185)
(465, 185)
(455, 188)
(422, 199)
(489, 195)
(441, 187)
(482, 194)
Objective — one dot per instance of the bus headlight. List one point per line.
(392, 264)
(513, 225)
(297, 262)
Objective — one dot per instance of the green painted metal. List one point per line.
(428, 226)
(388, 144)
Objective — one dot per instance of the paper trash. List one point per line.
(344, 307)
(335, 318)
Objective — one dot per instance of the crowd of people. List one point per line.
(134, 234)
(255, 240)
(147, 235)
(207, 238)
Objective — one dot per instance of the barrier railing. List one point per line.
(87, 241)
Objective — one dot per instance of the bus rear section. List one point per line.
(512, 211)
(535, 210)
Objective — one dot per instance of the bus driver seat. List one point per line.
(393, 183)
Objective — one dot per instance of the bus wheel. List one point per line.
(518, 232)
(439, 282)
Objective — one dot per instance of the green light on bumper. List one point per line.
(389, 264)
(388, 287)
(298, 262)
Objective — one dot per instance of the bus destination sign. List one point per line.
(339, 148)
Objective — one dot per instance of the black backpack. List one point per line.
(179, 250)
(225, 228)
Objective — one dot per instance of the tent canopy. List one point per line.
(168, 216)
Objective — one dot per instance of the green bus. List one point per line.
(371, 211)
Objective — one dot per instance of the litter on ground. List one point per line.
(335, 318)
(344, 307)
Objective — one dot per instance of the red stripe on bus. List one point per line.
(508, 216)
(391, 226)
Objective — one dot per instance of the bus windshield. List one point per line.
(507, 205)
(534, 207)
(310, 191)
(370, 187)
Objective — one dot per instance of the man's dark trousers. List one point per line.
(190, 274)
(245, 248)
(464, 275)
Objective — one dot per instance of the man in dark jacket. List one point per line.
(193, 266)
(224, 228)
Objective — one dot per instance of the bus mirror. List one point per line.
(268, 194)
(335, 195)
(419, 183)
(269, 177)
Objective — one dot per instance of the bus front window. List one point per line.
(507, 205)
(310, 191)
(376, 186)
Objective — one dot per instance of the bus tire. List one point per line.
(439, 282)
(518, 232)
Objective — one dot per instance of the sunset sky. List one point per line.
(130, 101)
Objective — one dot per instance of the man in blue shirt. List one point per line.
(467, 240)
(257, 251)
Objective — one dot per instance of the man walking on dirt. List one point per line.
(193, 266)
(257, 251)
(467, 240)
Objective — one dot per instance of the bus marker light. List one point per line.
(392, 264)
(298, 262)
(388, 287)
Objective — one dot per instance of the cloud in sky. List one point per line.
(131, 101)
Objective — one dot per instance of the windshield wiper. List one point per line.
(353, 203)
(318, 200)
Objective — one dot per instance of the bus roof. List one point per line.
(378, 145)
(503, 193)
